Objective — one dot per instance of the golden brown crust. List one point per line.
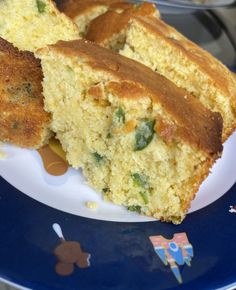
(75, 8)
(206, 62)
(23, 120)
(124, 89)
(196, 124)
(110, 23)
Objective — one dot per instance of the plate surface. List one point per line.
(122, 255)
(39, 243)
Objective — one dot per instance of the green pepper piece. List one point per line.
(144, 196)
(139, 180)
(106, 189)
(120, 115)
(109, 135)
(41, 6)
(136, 208)
(97, 157)
(144, 135)
(15, 125)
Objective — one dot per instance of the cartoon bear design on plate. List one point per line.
(69, 254)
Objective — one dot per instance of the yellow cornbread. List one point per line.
(31, 24)
(82, 12)
(109, 28)
(168, 52)
(159, 46)
(142, 141)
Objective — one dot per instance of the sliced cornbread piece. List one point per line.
(109, 29)
(23, 120)
(162, 48)
(82, 12)
(31, 24)
(141, 140)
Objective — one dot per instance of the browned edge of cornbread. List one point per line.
(74, 8)
(23, 120)
(111, 22)
(197, 125)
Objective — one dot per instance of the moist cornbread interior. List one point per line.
(23, 120)
(140, 140)
(168, 52)
(159, 46)
(82, 12)
(31, 24)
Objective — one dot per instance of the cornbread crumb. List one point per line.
(3, 155)
(91, 204)
(146, 147)
(31, 24)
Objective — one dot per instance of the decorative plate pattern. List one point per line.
(122, 254)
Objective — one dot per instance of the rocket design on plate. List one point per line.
(69, 254)
(175, 252)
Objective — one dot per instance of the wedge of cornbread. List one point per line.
(142, 141)
(159, 46)
(186, 64)
(23, 120)
(109, 29)
(31, 24)
(82, 12)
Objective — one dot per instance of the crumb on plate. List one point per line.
(91, 204)
(3, 155)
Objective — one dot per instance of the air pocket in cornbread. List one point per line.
(142, 141)
(82, 12)
(31, 24)
(23, 120)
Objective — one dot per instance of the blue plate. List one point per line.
(122, 254)
(45, 248)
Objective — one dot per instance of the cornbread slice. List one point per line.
(23, 120)
(82, 12)
(171, 54)
(109, 29)
(159, 46)
(142, 141)
(31, 24)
